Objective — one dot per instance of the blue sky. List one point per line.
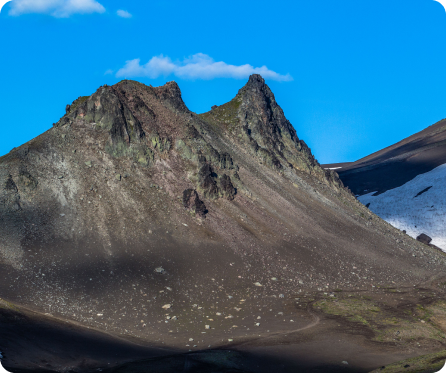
(352, 76)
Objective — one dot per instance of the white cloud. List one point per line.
(123, 14)
(108, 72)
(56, 8)
(199, 66)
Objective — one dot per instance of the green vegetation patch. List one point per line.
(391, 324)
(423, 364)
(77, 102)
(8, 305)
(225, 114)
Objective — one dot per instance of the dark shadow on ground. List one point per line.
(30, 342)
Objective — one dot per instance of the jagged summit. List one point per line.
(256, 122)
(255, 119)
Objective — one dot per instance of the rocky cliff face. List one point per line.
(132, 209)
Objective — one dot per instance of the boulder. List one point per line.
(424, 238)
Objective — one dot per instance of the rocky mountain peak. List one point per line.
(171, 93)
(255, 81)
(256, 120)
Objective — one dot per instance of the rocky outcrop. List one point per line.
(226, 187)
(207, 180)
(214, 186)
(106, 110)
(193, 203)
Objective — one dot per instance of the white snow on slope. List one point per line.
(423, 214)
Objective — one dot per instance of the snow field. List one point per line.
(423, 214)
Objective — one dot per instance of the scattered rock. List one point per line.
(160, 270)
(167, 306)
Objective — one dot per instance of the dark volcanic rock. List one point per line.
(207, 181)
(424, 238)
(192, 201)
(227, 188)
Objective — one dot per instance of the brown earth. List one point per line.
(137, 218)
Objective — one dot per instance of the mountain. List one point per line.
(405, 183)
(141, 220)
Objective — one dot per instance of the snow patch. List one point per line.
(424, 214)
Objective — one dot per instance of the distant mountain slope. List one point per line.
(397, 164)
(405, 183)
(138, 217)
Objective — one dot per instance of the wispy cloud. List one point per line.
(123, 14)
(55, 8)
(199, 66)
